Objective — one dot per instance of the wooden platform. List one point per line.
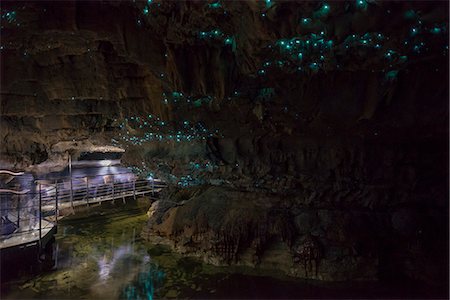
(96, 200)
(29, 237)
(56, 199)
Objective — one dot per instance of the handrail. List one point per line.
(89, 176)
(40, 212)
(14, 191)
(11, 172)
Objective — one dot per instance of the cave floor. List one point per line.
(100, 255)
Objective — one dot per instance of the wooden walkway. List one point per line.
(35, 216)
(58, 197)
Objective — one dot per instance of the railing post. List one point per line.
(134, 188)
(112, 191)
(40, 215)
(87, 190)
(153, 186)
(56, 201)
(71, 192)
(18, 212)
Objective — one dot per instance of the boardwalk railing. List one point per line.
(22, 220)
(27, 214)
(72, 192)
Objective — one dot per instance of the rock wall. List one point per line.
(310, 137)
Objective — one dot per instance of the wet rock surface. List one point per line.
(261, 151)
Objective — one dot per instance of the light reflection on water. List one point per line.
(101, 256)
(108, 263)
(98, 255)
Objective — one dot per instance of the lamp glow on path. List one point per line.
(105, 163)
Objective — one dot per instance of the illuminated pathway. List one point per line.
(30, 218)
(72, 192)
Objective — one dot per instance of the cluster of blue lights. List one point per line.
(10, 17)
(196, 170)
(206, 166)
(146, 9)
(142, 172)
(315, 51)
(369, 39)
(137, 130)
(218, 36)
(302, 52)
(216, 4)
(189, 181)
(181, 99)
(421, 31)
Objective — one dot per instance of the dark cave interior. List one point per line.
(308, 138)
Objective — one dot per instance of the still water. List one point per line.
(99, 255)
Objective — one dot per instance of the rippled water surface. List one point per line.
(99, 254)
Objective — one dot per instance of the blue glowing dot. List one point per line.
(215, 5)
(435, 30)
(262, 72)
(410, 14)
(145, 11)
(391, 75)
(361, 4)
(306, 21)
(228, 41)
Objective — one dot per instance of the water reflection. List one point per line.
(145, 284)
(101, 256)
(110, 266)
